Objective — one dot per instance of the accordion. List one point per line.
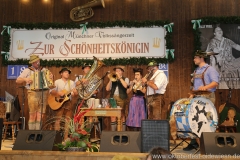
(41, 80)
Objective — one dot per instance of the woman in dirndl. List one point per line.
(137, 105)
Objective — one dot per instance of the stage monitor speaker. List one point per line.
(1, 127)
(220, 143)
(120, 141)
(37, 140)
(155, 133)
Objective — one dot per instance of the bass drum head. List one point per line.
(202, 116)
(180, 106)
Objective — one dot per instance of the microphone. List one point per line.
(76, 75)
(105, 74)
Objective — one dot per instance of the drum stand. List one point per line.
(184, 140)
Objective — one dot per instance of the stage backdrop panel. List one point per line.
(85, 43)
(223, 39)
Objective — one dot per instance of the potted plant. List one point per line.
(79, 134)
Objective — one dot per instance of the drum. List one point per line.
(194, 116)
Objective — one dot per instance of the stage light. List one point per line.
(25, 1)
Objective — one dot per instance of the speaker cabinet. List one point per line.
(37, 140)
(220, 143)
(155, 133)
(120, 141)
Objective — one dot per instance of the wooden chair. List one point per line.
(7, 123)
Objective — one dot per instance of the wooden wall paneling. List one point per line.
(181, 12)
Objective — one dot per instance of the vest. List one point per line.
(122, 90)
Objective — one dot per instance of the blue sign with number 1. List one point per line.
(15, 70)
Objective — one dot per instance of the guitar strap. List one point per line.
(69, 85)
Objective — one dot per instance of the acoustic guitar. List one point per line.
(56, 102)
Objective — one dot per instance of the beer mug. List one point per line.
(96, 103)
(104, 103)
(90, 102)
(112, 103)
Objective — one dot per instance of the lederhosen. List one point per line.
(155, 102)
(35, 100)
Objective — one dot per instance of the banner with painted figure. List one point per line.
(223, 39)
(78, 43)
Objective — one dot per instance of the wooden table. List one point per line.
(105, 112)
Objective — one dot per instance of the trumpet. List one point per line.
(112, 77)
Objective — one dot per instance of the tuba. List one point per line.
(85, 11)
(85, 91)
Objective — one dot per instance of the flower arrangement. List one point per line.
(79, 134)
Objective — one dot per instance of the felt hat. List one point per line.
(152, 64)
(33, 58)
(86, 65)
(65, 69)
(119, 67)
(201, 54)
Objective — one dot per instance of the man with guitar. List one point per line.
(60, 98)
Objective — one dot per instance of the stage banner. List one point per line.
(224, 40)
(78, 43)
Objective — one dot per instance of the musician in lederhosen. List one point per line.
(35, 99)
(64, 87)
(205, 78)
(81, 79)
(156, 88)
(118, 90)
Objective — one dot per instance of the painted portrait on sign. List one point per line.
(223, 39)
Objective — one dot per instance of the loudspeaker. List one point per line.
(120, 141)
(220, 143)
(1, 127)
(37, 140)
(155, 133)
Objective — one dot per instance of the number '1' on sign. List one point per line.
(13, 71)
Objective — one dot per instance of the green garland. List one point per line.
(208, 21)
(79, 62)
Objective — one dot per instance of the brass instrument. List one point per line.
(112, 77)
(85, 11)
(41, 80)
(85, 91)
(139, 85)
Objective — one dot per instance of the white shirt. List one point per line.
(61, 85)
(160, 80)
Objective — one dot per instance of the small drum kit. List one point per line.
(194, 116)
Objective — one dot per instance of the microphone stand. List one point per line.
(82, 90)
(103, 91)
(23, 102)
(42, 103)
